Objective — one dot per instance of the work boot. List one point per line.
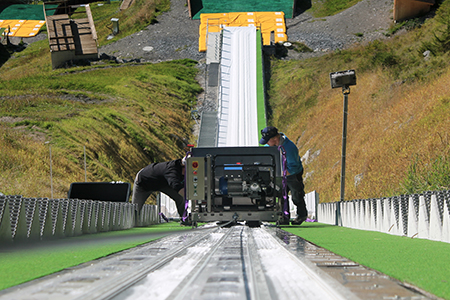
(283, 221)
(186, 223)
(298, 221)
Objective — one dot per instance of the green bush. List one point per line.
(441, 37)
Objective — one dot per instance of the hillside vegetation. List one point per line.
(398, 125)
(126, 116)
(122, 117)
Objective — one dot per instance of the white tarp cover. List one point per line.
(238, 123)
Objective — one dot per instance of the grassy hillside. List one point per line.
(122, 116)
(398, 126)
(126, 117)
(130, 115)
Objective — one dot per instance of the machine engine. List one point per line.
(240, 183)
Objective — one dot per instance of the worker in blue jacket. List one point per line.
(294, 169)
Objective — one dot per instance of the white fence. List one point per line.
(423, 216)
(311, 200)
(41, 218)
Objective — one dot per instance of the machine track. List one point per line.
(237, 262)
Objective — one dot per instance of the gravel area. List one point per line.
(175, 36)
(366, 21)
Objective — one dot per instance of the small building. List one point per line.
(407, 9)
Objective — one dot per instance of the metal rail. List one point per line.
(236, 266)
(218, 263)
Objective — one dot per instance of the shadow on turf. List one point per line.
(305, 225)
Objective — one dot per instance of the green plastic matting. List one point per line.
(215, 6)
(24, 12)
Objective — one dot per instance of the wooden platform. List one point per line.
(71, 39)
(70, 34)
(84, 41)
(60, 35)
(125, 4)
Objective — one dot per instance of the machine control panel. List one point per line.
(195, 178)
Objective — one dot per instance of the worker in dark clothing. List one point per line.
(166, 177)
(294, 170)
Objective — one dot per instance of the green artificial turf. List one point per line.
(260, 99)
(420, 262)
(24, 12)
(423, 263)
(25, 262)
(199, 7)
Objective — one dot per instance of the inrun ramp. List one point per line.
(238, 121)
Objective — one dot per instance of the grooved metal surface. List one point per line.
(208, 130)
(219, 263)
(104, 278)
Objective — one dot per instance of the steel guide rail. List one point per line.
(245, 263)
(230, 269)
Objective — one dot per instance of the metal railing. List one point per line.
(425, 216)
(24, 219)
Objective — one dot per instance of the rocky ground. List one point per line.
(366, 21)
(176, 36)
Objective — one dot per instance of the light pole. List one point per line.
(51, 172)
(85, 172)
(343, 79)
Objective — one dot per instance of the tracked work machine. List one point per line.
(235, 183)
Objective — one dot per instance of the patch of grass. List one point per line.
(137, 17)
(325, 8)
(392, 255)
(398, 111)
(125, 116)
(407, 24)
(440, 43)
(301, 47)
(22, 264)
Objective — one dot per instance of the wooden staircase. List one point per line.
(71, 39)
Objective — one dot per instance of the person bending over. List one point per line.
(166, 177)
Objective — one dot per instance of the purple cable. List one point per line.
(186, 201)
(285, 205)
(164, 217)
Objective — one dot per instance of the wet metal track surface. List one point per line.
(218, 263)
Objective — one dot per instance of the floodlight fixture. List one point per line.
(343, 79)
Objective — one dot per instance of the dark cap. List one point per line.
(268, 133)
